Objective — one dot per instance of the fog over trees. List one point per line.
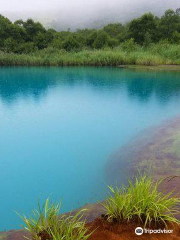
(30, 36)
(77, 14)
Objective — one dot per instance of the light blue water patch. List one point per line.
(58, 127)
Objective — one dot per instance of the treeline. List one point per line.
(30, 36)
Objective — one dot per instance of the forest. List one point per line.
(30, 43)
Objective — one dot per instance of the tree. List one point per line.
(70, 44)
(41, 40)
(175, 37)
(19, 22)
(33, 29)
(169, 23)
(27, 47)
(28, 36)
(5, 29)
(178, 11)
(91, 38)
(83, 35)
(114, 29)
(139, 28)
(112, 42)
(18, 33)
(10, 45)
(147, 39)
(101, 40)
(124, 34)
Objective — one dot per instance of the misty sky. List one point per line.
(82, 13)
(39, 5)
(31, 5)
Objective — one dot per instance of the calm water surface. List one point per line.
(58, 127)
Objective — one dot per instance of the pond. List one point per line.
(59, 127)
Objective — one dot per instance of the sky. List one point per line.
(40, 5)
(81, 13)
(33, 5)
(20, 5)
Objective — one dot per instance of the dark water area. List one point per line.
(59, 127)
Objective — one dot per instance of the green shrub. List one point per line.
(101, 40)
(129, 45)
(141, 201)
(70, 44)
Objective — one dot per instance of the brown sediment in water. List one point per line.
(156, 151)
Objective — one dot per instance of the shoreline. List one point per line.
(129, 67)
(150, 67)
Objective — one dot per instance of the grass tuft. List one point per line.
(46, 224)
(141, 201)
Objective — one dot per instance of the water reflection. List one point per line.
(34, 82)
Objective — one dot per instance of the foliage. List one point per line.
(129, 45)
(113, 29)
(70, 44)
(29, 36)
(46, 224)
(141, 201)
(169, 23)
(101, 40)
(139, 28)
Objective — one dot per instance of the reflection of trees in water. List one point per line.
(34, 82)
(23, 82)
(163, 85)
(140, 84)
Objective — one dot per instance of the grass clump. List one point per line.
(46, 224)
(141, 201)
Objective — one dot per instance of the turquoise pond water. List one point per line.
(59, 127)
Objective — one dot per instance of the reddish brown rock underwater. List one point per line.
(156, 150)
